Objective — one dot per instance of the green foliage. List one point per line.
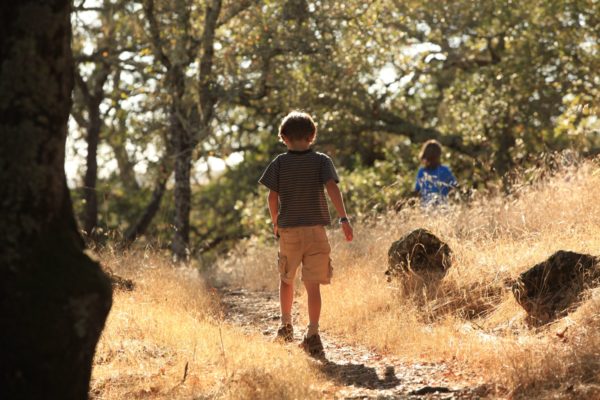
(370, 190)
(498, 83)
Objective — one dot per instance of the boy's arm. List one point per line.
(273, 202)
(338, 202)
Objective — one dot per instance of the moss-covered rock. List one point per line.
(420, 252)
(549, 289)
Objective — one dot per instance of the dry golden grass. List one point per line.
(470, 317)
(170, 325)
(169, 328)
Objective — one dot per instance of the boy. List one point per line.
(299, 213)
(434, 180)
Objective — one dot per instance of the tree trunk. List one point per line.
(181, 140)
(184, 143)
(91, 173)
(54, 298)
(93, 94)
(183, 194)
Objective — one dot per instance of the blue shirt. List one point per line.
(434, 184)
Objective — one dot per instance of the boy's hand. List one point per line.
(336, 198)
(347, 228)
(275, 231)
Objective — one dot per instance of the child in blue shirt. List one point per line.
(434, 180)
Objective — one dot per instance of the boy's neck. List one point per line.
(290, 151)
(298, 146)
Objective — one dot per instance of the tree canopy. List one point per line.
(171, 90)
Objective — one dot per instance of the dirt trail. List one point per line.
(355, 372)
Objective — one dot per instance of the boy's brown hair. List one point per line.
(431, 154)
(297, 125)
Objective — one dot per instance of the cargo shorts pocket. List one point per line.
(283, 265)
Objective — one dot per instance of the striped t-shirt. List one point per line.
(298, 177)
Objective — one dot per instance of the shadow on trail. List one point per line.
(359, 375)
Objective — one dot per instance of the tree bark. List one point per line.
(54, 299)
(90, 220)
(183, 147)
(183, 195)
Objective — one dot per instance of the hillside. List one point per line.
(175, 335)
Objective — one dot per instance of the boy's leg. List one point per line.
(286, 298)
(290, 257)
(316, 271)
(312, 341)
(287, 272)
(313, 291)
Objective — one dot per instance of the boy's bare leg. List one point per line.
(313, 291)
(286, 298)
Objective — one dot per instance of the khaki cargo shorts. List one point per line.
(306, 245)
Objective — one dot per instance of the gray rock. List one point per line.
(552, 287)
(421, 252)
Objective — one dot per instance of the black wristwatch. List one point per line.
(344, 219)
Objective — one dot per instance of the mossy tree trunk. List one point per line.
(54, 299)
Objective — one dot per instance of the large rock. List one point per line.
(420, 252)
(550, 288)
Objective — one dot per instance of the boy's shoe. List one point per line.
(285, 333)
(313, 346)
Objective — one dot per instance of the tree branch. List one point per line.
(233, 11)
(386, 121)
(207, 97)
(155, 39)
